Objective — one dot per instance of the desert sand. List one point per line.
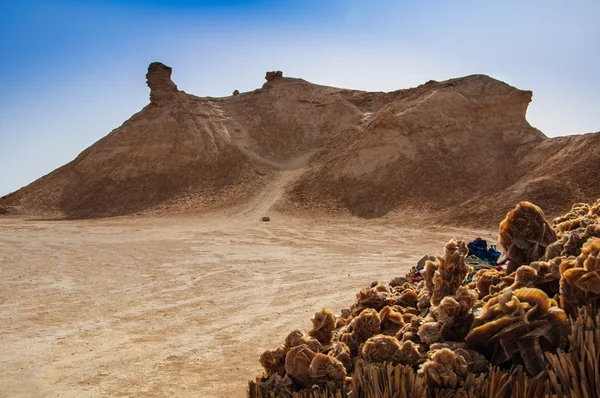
(178, 306)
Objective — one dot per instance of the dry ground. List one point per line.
(177, 307)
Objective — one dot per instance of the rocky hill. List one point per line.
(176, 147)
(459, 151)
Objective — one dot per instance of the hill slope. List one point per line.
(176, 146)
(458, 151)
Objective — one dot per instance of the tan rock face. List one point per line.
(159, 80)
(459, 152)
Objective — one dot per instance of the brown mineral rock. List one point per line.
(381, 348)
(466, 298)
(525, 234)
(388, 349)
(567, 263)
(340, 322)
(451, 319)
(160, 83)
(580, 282)
(485, 278)
(595, 209)
(376, 298)
(341, 352)
(325, 368)
(496, 319)
(512, 325)
(323, 326)
(424, 300)
(410, 353)
(350, 341)
(366, 325)
(391, 321)
(476, 362)
(451, 271)
(295, 338)
(548, 275)
(408, 298)
(236, 92)
(572, 225)
(554, 249)
(526, 276)
(273, 361)
(581, 216)
(428, 272)
(410, 330)
(574, 240)
(577, 210)
(297, 365)
(445, 369)
(431, 331)
(314, 345)
(298, 337)
(280, 386)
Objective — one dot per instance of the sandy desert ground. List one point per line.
(179, 306)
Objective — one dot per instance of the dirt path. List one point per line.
(287, 172)
(261, 205)
(178, 307)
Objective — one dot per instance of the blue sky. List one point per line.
(72, 71)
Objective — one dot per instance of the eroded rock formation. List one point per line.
(273, 75)
(458, 151)
(159, 80)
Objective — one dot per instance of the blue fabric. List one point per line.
(478, 248)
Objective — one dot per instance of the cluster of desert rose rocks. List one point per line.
(450, 322)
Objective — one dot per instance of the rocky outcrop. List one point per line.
(159, 80)
(274, 75)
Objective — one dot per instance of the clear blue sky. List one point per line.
(71, 71)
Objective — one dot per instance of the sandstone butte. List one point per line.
(459, 151)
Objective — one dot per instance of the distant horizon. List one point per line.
(73, 71)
